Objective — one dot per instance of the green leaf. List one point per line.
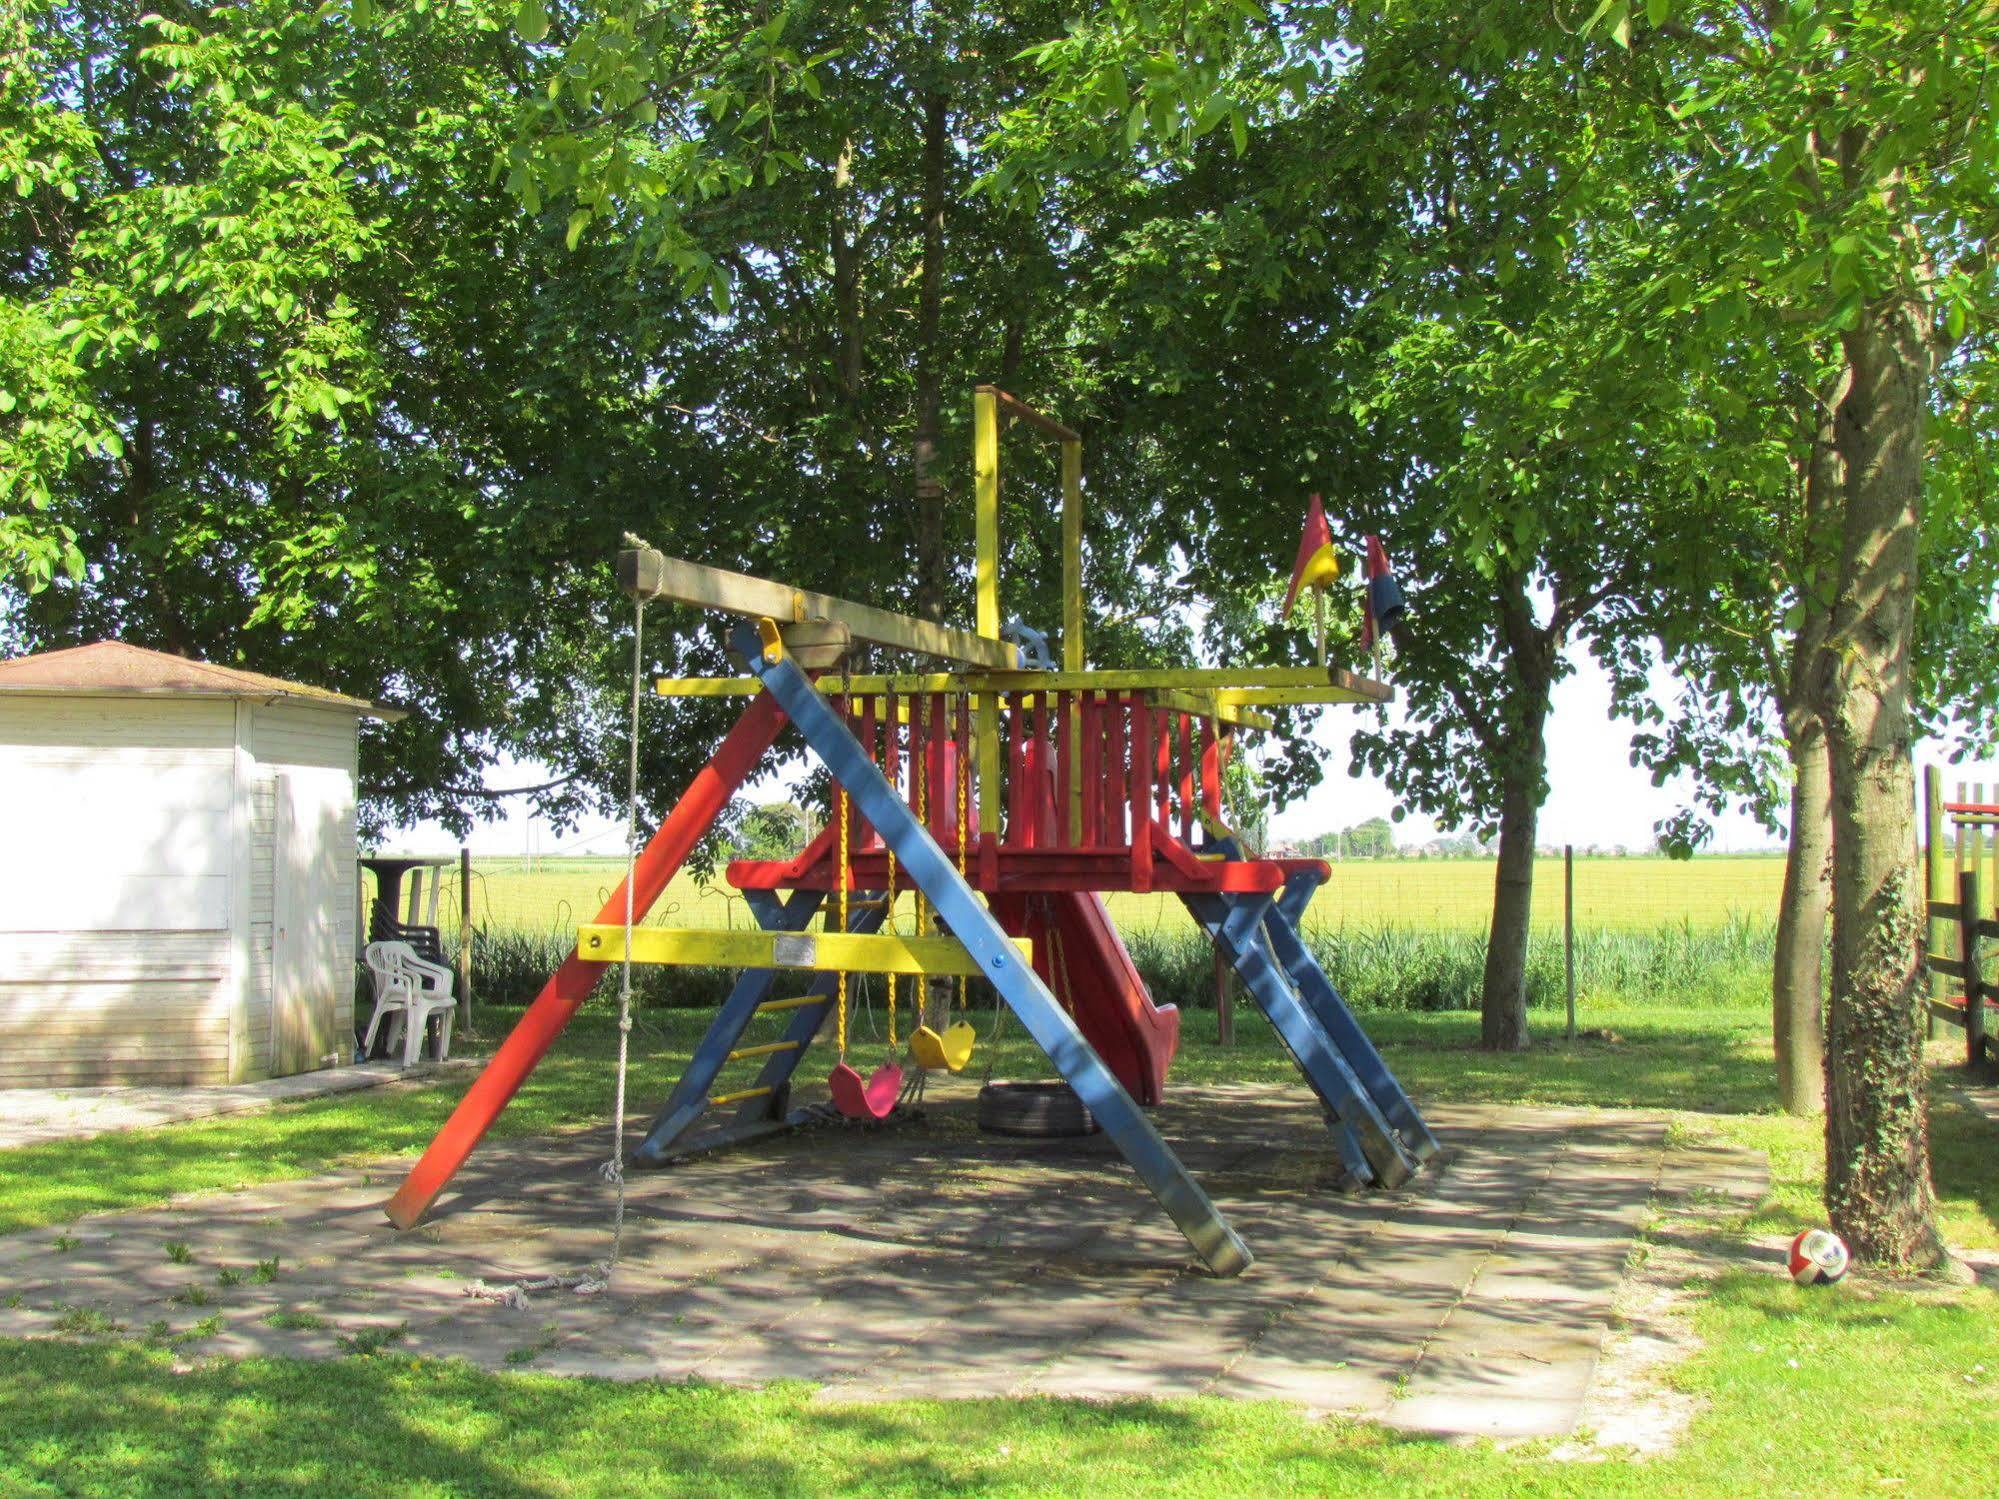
(531, 21)
(579, 220)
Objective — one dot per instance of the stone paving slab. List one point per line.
(930, 1260)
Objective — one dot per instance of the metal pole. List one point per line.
(1569, 931)
(465, 939)
(1936, 884)
(1971, 953)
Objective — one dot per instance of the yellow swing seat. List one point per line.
(946, 1053)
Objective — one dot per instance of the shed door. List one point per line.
(312, 978)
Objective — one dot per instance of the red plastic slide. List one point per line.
(1112, 1007)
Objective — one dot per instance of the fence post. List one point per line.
(1936, 883)
(465, 939)
(1569, 931)
(1971, 950)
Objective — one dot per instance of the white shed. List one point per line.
(178, 888)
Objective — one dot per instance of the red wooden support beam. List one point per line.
(1142, 742)
(1065, 767)
(1040, 797)
(1092, 730)
(570, 985)
(1186, 780)
(943, 796)
(1117, 770)
(863, 836)
(1211, 770)
(892, 744)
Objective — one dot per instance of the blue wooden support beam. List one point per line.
(962, 913)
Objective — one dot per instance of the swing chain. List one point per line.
(962, 767)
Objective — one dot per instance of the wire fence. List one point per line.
(1403, 933)
(555, 894)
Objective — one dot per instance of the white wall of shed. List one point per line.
(115, 952)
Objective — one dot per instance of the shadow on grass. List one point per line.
(100, 1417)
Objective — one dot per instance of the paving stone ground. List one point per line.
(926, 1259)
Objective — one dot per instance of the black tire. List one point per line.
(1042, 1110)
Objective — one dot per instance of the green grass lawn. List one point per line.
(1872, 1386)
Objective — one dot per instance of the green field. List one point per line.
(1634, 894)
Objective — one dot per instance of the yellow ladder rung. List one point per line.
(761, 1051)
(716, 1100)
(772, 1006)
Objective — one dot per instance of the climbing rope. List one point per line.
(613, 1170)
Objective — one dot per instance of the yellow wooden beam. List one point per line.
(1241, 698)
(986, 539)
(853, 952)
(705, 587)
(1244, 685)
(1209, 705)
(985, 509)
(1020, 411)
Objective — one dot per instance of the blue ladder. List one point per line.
(761, 1106)
(1372, 1149)
(1282, 929)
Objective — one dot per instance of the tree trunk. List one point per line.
(1503, 1002)
(1798, 985)
(1877, 1181)
(1518, 740)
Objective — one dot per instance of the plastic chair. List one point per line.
(395, 989)
(430, 985)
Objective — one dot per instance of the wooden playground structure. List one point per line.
(1961, 879)
(999, 795)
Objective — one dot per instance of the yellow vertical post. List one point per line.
(1072, 556)
(986, 500)
(1072, 612)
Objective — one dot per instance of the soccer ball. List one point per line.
(1818, 1257)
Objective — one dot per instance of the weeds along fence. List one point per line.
(1379, 969)
(1404, 934)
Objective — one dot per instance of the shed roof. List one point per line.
(111, 668)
